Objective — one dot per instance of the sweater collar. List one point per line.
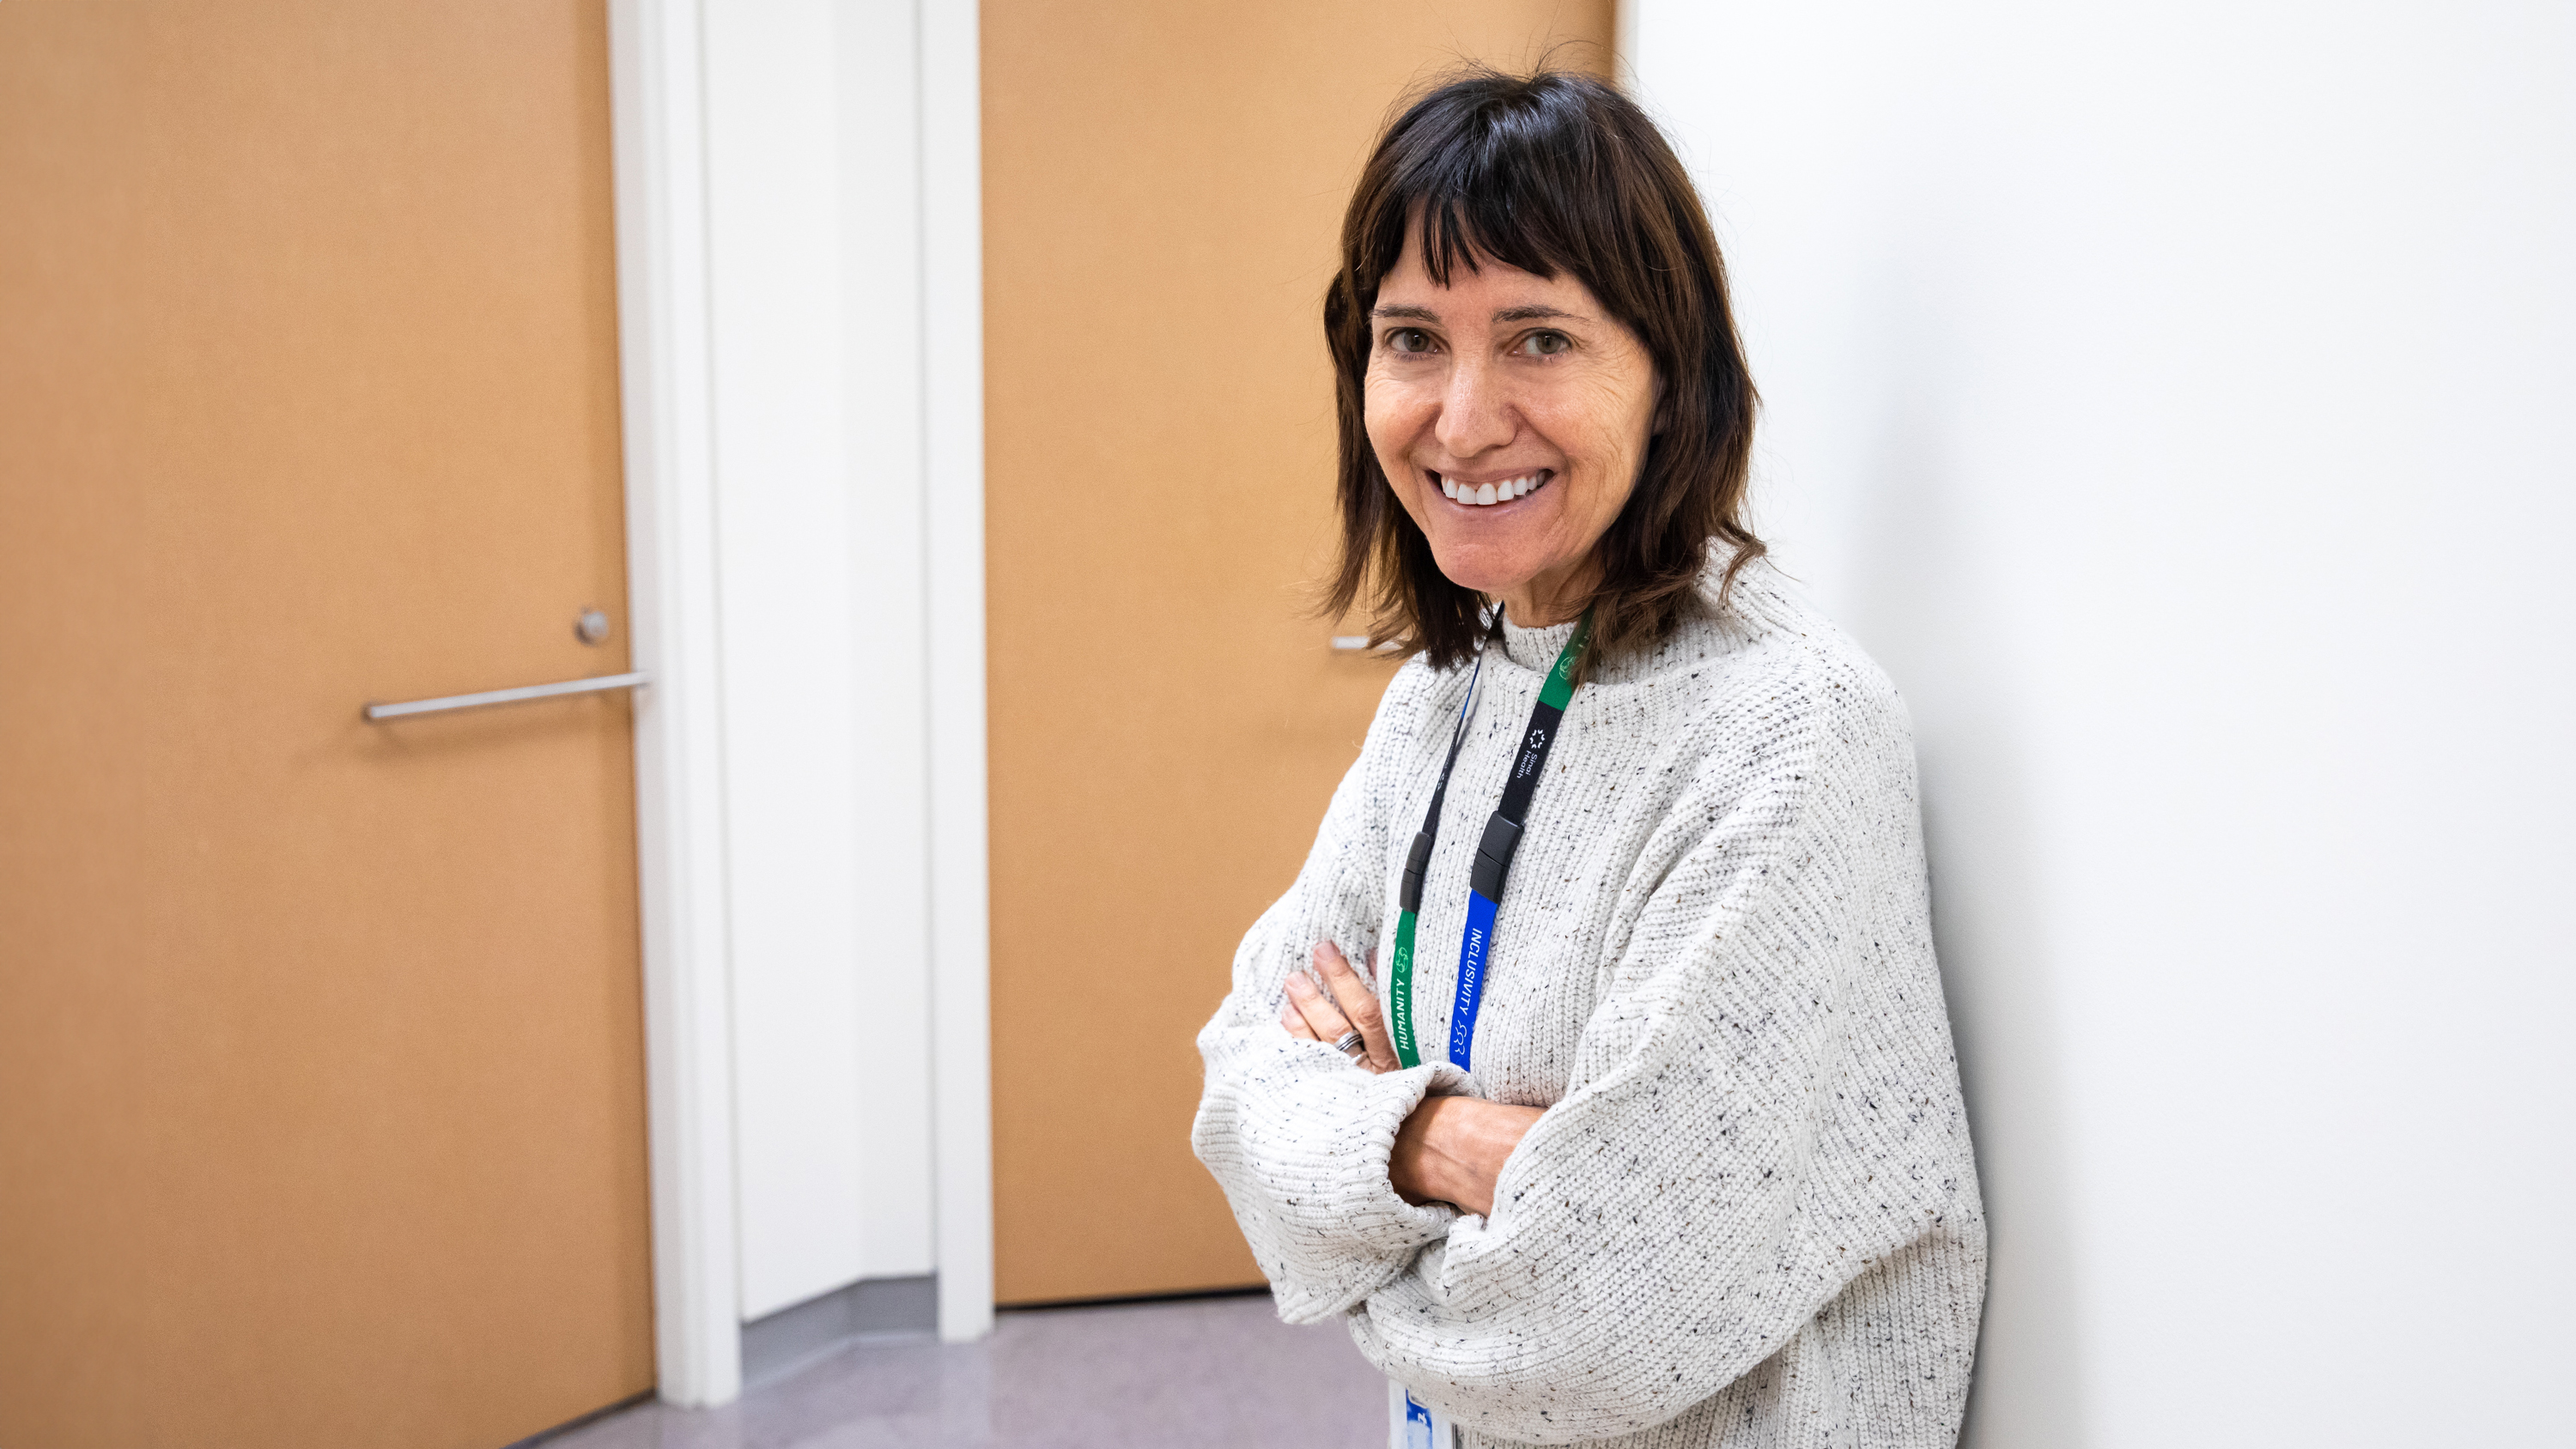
(1704, 633)
(1535, 649)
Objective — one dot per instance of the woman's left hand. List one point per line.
(1345, 1004)
(1450, 1149)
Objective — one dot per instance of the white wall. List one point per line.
(814, 227)
(2180, 400)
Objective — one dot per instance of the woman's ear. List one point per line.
(1663, 410)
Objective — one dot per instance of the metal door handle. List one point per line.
(505, 696)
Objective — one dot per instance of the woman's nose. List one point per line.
(1475, 415)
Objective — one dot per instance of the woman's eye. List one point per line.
(1408, 339)
(1546, 344)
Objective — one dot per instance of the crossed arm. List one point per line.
(1450, 1149)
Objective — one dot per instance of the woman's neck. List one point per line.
(1554, 596)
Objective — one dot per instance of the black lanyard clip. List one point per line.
(1494, 857)
(1417, 863)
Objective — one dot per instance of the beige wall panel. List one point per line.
(321, 1108)
(1163, 184)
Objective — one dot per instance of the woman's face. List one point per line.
(1511, 413)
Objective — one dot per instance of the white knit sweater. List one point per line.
(1749, 1215)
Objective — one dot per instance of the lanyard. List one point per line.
(1493, 858)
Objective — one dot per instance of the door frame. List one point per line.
(664, 296)
(961, 1036)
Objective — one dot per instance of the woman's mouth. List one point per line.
(1502, 490)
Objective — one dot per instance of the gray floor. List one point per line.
(1214, 1371)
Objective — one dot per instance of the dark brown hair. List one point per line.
(1552, 172)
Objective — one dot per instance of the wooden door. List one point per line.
(321, 1088)
(1163, 184)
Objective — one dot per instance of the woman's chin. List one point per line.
(1489, 571)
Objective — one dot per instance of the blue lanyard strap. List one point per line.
(1493, 859)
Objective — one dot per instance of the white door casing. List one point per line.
(800, 293)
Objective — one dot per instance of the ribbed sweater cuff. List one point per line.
(1326, 1222)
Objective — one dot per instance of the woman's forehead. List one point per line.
(1490, 285)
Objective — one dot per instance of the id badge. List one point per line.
(1413, 1425)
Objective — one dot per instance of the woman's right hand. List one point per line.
(1452, 1150)
(1345, 1003)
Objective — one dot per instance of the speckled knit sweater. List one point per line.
(1749, 1215)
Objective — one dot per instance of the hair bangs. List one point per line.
(1470, 196)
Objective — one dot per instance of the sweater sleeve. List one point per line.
(1763, 1106)
(1296, 1135)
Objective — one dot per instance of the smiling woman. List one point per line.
(1509, 411)
(1684, 1161)
(1531, 301)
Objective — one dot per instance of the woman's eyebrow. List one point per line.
(1508, 314)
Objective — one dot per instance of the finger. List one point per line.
(1358, 1001)
(1295, 1022)
(1322, 1017)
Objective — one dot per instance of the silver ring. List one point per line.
(1351, 1044)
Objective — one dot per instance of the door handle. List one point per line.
(505, 696)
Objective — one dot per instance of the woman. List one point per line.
(1648, 1131)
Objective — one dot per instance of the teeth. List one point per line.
(1482, 494)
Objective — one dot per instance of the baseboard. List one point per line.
(779, 1343)
(1183, 1295)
